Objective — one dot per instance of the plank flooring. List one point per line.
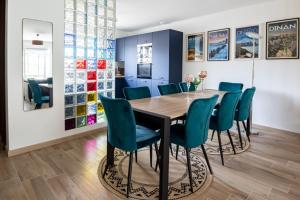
(269, 170)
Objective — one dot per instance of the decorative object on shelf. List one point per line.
(89, 59)
(202, 76)
(246, 46)
(282, 39)
(195, 47)
(218, 45)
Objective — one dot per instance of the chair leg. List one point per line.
(231, 142)
(212, 136)
(220, 146)
(240, 135)
(206, 159)
(151, 155)
(246, 130)
(188, 161)
(136, 158)
(157, 156)
(129, 174)
(171, 150)
(177, 149)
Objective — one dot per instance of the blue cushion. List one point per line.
(145, 136)
(45, 98)
(230, 87)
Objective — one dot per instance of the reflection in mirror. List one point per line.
(37, 64)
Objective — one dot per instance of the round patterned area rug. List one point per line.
(212, 147)
(145, 181)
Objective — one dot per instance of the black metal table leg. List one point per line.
(164, 164)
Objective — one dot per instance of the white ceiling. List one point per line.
(33, 27)
(133, 15)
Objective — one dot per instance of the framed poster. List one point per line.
(218, 45)
(195, 47)
(282, 39)
(247, 42)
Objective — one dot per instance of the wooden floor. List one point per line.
(269, 170)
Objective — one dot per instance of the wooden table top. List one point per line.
(172, 106)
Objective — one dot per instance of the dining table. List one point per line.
(161, 111)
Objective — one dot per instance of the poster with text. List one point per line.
(218, 45)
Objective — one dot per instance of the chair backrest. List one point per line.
(136, 93)
(197, 121)
(36, 91)
(168, 89)
(50, 80)
(226, 110)
(230, 87)
(244, 105)
(121, 123)
(184, 87)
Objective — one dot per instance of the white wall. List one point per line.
(277, 101)
(27, 128)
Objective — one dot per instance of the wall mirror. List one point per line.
(37, 64)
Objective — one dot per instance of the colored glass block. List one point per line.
(69, 100)
(109, 74)
(69, 88)
(81, 98)
(100, 108)
(110, 64)
(81, 64)
(70, 124)
(110, 34)
(91, 109)
(110, 44)
(91, 53)
(100, 85)
(92, 64)
(92, 97)
(110, 55)
(69, 63)
(80, 76)
(81, 110)
(101, 64)
(109, 85)
(91, 75)
(109, 94)
(70, 76)
(101, 43)
(80, 52)
(101, 118)
(101, 75)
(81, 121)
(69, 40)
(80, 88)
(91, 86)
(91, 119)
(69, 112)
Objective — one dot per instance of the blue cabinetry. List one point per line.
(120, 49)
(166, 58)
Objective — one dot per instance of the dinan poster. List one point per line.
(283, 39)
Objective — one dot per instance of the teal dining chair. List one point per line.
(132, 93)
(230, 87)
(130, 137)
(38, 98)
(222, 118)
(184, 87)
(168, 89)
(243, 111)
(194, 132)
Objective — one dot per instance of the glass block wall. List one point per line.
(89, 60)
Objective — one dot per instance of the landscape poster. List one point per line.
(283, 39)
(247, 40)
(195, 47)
(218, 45)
